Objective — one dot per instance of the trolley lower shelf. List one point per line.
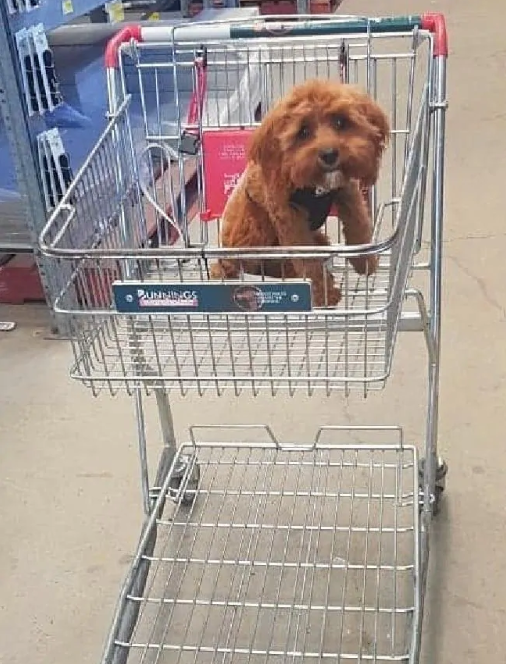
(284, 555)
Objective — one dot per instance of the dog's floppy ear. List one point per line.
(378, 119)
(380, 130)
(263, 147)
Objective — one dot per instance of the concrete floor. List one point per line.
(69, 488)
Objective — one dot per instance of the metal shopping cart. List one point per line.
(254, 550)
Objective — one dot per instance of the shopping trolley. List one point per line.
(255, 550)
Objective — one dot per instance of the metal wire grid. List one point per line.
(105, 188)
(247, 75)
(395, 72)
(219, 352)
(350, 346)
(347, 347)
(284, 556)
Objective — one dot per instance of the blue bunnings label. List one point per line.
(209, 297)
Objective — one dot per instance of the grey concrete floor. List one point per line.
(69, 489)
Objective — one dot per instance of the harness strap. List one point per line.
(315, 204)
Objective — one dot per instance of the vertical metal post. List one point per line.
(143, 455)
(436, 260)
(15, 117)
(438, 198)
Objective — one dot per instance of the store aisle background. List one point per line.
(69, 492)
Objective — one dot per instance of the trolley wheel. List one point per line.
(192, 485)
(441, 473)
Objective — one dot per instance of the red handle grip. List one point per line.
(436, 24)
(125, 35)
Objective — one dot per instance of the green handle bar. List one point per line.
(222, 30)
(435, 23)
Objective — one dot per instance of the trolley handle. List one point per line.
(436, 23)
(125, 35)
(223, 30)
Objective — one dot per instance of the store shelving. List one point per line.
(77, 49)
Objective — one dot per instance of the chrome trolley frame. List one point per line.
(252, 549)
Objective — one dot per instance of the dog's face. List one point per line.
(319, 134)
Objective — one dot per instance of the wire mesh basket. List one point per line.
(134, 264)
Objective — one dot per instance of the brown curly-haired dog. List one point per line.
(316, 147)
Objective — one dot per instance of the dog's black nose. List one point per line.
(328, 156)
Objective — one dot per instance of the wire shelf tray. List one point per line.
(298, 556)
(318, 351)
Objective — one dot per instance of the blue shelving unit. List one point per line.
(82, 83)
(22, 205)
(79, 67)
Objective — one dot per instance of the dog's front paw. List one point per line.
(216, 271)
(365, 264)
(333, 297)
(326, 298)
(223, 269)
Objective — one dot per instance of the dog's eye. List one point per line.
(340, 121)
(304, 132)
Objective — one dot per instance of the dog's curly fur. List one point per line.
(321, 135)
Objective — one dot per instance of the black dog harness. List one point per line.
(315, 202)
